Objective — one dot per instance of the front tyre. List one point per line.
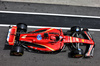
(17, 51)
(21, 27)
(75, 29)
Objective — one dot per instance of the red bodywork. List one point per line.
(55, 40)
(11, 35)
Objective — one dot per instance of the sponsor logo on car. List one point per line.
(39, 37)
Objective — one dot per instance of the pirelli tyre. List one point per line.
(17, 51)
(21, 27)
(76, 29)
(77, 53)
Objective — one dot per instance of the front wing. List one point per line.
(11, 35)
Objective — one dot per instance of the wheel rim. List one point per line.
(76, 45)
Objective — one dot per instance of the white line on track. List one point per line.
(50, 14)
(67, 28)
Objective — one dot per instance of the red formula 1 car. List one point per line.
(49, 40)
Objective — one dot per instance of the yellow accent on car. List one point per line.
(82, 40)
(47, 47)
(49, 29)
(71, 39)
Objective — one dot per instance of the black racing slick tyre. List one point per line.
(77, 53)
(17, 51)
(21, 27)
(76, 29)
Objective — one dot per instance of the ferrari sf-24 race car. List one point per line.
(49, 40)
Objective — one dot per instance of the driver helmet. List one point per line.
(53, 38)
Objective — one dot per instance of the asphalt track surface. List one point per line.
(44, 20)
(41, 59)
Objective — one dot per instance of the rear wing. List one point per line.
(90, 48)
(11, 35)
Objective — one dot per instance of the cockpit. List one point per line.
(54, 37)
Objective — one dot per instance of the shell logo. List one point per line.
(82, 40)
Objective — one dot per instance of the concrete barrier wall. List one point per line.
(90, 3)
